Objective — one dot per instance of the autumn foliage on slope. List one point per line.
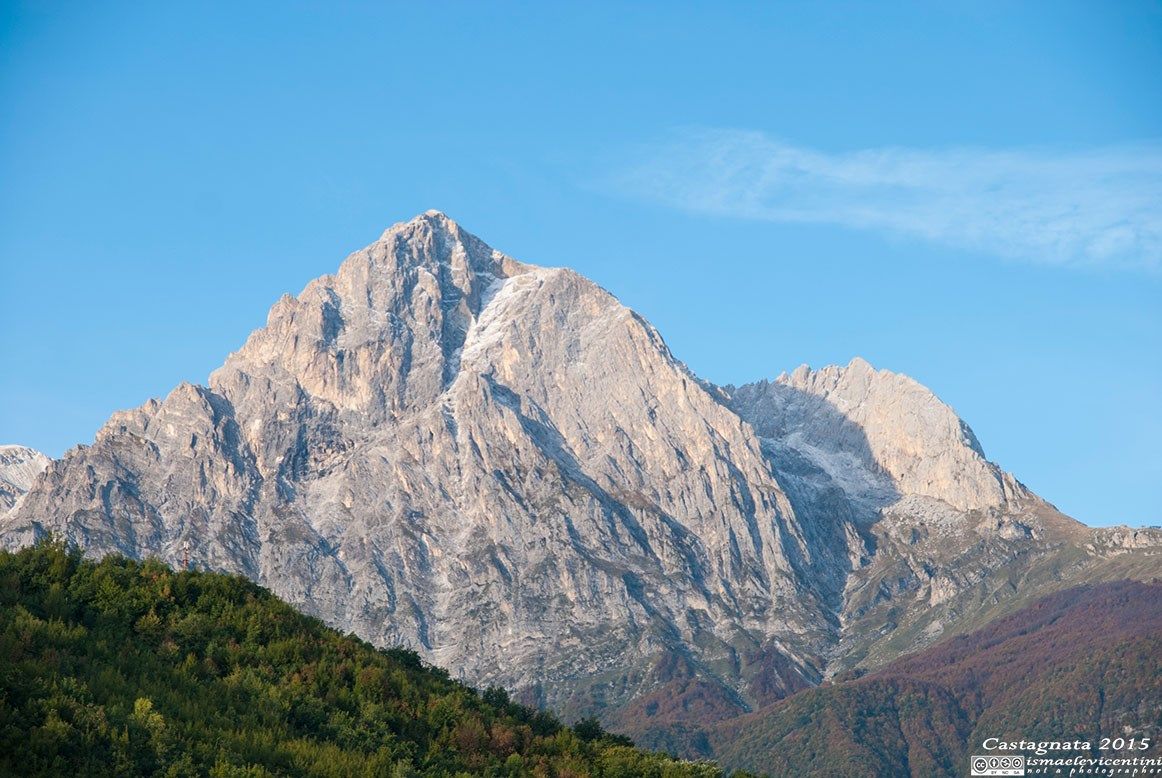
(1079, 664)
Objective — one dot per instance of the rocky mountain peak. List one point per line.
(503, 467)
(880, 433)
(383, 334)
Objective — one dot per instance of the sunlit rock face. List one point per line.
(878, 434)
(19, 467)
(502, 467)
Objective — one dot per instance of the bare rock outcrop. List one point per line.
(19, 467)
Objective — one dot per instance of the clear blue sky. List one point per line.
(961, 192)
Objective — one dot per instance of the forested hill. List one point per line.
(1079, 664)
(126, 668)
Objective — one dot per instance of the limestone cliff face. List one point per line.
(496, 464)
(878, 434)
(940, 539)
(19, 467)
(504, 468)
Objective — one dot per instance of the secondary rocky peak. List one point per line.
(884, 400)
(877, 432)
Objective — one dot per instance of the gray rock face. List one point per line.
(19, 467)
(877, 435)
(504, 468)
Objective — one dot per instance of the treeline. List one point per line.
(127, 668)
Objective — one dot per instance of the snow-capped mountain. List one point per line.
(504, 468)
(19, 467)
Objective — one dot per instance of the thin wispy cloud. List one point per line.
(1098, 207)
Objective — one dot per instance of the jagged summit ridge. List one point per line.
(381, 335)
